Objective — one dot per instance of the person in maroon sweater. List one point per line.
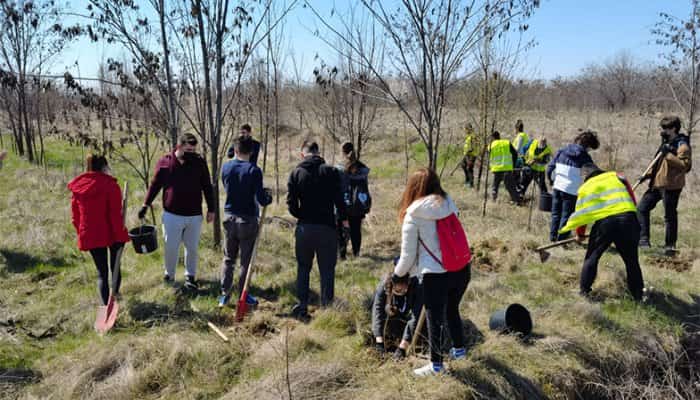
(184, 176)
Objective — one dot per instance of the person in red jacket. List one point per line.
(97, 217)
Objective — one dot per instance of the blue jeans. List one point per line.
(563, 205)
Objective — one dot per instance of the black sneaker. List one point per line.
(300, 313)
(669, 251)
(191, 284)
(644, 244)
(167, 279)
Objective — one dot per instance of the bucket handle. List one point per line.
(143, 223)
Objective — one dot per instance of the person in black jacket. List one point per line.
(353, 175)
(398, 297)
(246, 131)
(313, 189)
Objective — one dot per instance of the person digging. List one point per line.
(606, 199)
(396, 298)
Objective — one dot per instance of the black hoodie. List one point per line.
(312, 191)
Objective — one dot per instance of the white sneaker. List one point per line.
(458, 354)
(427, 370)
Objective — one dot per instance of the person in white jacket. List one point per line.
(422, 204)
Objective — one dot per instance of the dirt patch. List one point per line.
(678, 264)
(263, 328)
(490, 255)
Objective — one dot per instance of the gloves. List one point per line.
(667, 148)
(268, 192)
(143, 211)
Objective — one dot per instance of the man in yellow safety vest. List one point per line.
(536, 160)
(502, 156)
(607, 200)
(470, 152)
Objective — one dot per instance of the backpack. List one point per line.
(453, 244)
(360, 201)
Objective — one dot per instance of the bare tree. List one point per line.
(427, 43)
(680, 37)
(31, 35)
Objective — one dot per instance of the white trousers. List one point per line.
(179, 229)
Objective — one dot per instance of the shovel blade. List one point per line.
(544, 256)
(106, 316)
(242, 306)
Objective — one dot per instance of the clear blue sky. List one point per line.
(569, 33)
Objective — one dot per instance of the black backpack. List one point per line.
(360, 199)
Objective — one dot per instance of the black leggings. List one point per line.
(442, 294)
(355, 236)
(99, 255)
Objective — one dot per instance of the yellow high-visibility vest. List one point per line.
(536, 160)
(500, 157)
(520, 141)
(599, 197)
(471, 147)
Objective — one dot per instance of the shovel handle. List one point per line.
(646, 171)
(416, 333)
(556, 244)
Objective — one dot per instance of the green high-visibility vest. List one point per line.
(500, 157)
(520, 141)
(536, 160)
(599, 197)
(470, 148)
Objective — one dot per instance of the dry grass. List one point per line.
(611, 348)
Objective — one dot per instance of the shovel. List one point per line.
(242, 306)
(416, 333)
(646, 171)
(107, 315)
(544, 254)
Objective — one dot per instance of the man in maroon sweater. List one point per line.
(183, 175)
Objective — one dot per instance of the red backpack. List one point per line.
(453, 244)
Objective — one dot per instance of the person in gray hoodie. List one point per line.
(423, 203)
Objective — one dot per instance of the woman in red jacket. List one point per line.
(97, 217)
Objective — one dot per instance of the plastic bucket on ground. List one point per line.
(545, 202)
(513, 319)
(144, 239)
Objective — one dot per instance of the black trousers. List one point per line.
(442, 294)
(99, 256)
(623, 230)
(355, 236)
(314, 240)
(527, 176)
(508, 179)
(467, 165)
(670, 201)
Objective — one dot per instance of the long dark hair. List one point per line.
(95, 163)
(421, 183)
(349, 153)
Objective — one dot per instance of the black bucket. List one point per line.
(144, 239)
(545, 202)
(514, 319)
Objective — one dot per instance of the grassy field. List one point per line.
(609, 348)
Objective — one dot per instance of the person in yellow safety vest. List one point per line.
(521, 141)
(607, 200)
(536, 160)
(502, 156)
(470, 152)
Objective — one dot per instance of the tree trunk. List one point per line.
(172, 110)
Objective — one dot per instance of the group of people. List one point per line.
(330, 202)
(516, 163)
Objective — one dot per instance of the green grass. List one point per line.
(161, 348)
